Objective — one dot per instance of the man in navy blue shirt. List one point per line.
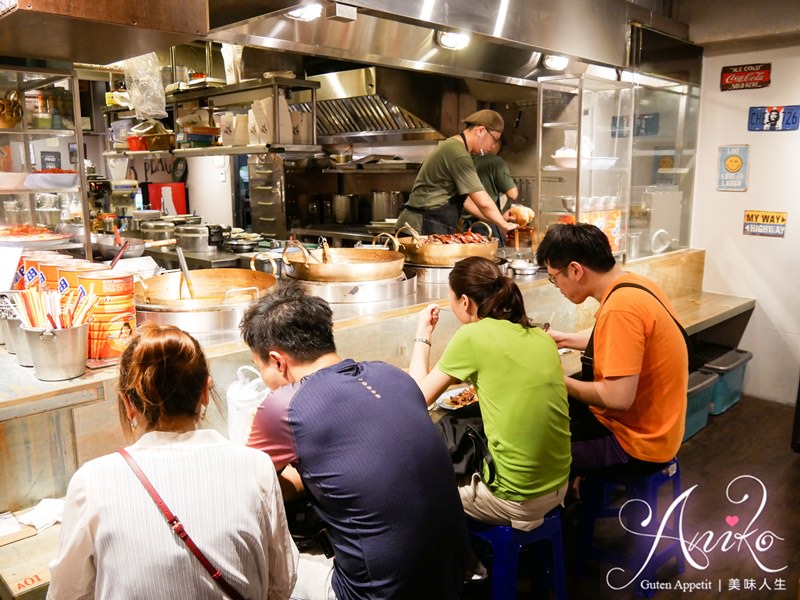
(357, 437)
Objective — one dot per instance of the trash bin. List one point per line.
(699, 398)
(727, 390)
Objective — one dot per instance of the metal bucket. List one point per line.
(57, 354)
(345, 208)
(11, 333)
(386, 205)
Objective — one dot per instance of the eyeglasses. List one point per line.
(495, 140)
(552, 278)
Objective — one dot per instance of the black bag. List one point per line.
(305, 526)
(462, 432)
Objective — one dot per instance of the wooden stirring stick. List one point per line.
(516, 240)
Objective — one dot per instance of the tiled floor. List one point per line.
(744, 508)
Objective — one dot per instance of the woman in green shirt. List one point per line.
(516, 370)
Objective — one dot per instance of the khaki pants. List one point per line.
(481, 505)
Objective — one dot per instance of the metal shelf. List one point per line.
(70, 190)
(245, 86)
(39, 132)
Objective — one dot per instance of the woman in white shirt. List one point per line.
(116, 543)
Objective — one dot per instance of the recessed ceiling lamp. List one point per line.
(307, 12)
(554, 62)
(452, 40)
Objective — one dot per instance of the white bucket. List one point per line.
(58, 354)
(244, 396)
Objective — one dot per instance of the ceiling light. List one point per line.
(452, 40)
(307, 12)
(554, 62)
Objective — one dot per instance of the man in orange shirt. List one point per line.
(628, 411)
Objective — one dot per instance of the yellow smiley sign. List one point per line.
(733, 163)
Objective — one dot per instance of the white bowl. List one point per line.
(598, 163)
(565, 162)
(10, 180)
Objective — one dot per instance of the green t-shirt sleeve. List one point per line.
(503, 180)
(458, 358)
(448, 171)
(465, 176)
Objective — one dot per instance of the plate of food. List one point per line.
(29, 236)
(457, 398)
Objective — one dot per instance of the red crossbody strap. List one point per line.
(177, 528)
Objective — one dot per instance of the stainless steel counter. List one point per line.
(168, 259)
(335, 233)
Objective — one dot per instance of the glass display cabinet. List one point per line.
(41, 147)
(585, 132)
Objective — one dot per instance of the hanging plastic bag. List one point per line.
(243, 397)
(146, 91)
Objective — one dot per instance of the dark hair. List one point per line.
(290, 320)
(163, 373)
(581, 242)
(480, 280)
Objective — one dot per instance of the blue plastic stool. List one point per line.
(596, 500)
(506, 543)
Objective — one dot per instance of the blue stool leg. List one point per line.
(505, 551)
(559, 575)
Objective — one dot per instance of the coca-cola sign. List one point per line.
(745, 77)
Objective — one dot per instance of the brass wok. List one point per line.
(341, 264)
(212, 287)
(443, 255)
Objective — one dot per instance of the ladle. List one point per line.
(185, 270)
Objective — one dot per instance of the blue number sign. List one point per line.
(774, 118)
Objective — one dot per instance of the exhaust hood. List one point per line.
(377, 105)
(508, 37)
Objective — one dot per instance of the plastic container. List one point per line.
(48, 270)
(136, 143)
(244, 396)
(68, 276)
(701, 384)
(728, 388)
(57, 354)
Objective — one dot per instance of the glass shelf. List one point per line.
(581, 112)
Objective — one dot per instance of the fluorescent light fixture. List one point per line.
(554, 62)
(307, 12)
(452, 40)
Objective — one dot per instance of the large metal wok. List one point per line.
(211, 287)
(213, 315)
(341, 264)
(418, 252)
